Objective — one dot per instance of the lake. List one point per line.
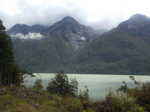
(98, 85)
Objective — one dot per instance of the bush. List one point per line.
(118, 103)
(142, 95)
(38, 85)
(84, 95)
(60, 85)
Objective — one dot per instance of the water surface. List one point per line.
(98, 85)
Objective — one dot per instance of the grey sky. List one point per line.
(97, 13)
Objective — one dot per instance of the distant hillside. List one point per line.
(123, 50)
(45, 55)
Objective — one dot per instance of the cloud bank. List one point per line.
(28, 36)
(97, 13)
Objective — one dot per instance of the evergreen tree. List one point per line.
(9, 72)
(38, 85)
(61, 85)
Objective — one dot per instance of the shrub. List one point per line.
(60, 85)
(118, 103)
(142, 95)
(84, 94)
(38, 85)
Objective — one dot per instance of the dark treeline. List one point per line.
(9, 71)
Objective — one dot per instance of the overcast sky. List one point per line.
(97, 13)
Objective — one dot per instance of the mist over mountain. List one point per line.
(25, 29)
(68, 29)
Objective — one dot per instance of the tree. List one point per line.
(84, 94)
(38, 85)
(9, 71)
(123, 88)
(60, 85)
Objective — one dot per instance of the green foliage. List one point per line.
(9, 71)
(38, 85)
(84, 94)
(123, 88)
(61, 85)
(20, 99)
(9, 103)
(142, 95)
(119, 103)
(30, 100)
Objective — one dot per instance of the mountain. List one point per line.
(44, 55)
(76, 48)
(137, 25)
(53, 52)
(123, 50)
(25, 29)
(72, 31)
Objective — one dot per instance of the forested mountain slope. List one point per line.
(123, 50)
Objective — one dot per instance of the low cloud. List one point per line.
(28, 36)
(45, 14)
(99, 14)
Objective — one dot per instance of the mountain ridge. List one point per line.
(68, 29)
(138, 25)
(123, 50)
(119, 51)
